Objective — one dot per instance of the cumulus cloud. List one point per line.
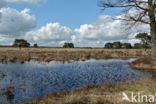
(106, 29)
(103, 30)
(19, 24)
(2, 3)
(4, 40)
(15, 23)
(51, 34)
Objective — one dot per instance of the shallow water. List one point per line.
(33, 79)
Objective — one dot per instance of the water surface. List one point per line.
(33, 79)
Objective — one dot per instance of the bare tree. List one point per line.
(144, 11)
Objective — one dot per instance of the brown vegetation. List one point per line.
(91, 94)
(63, 54)
(100, 94)
(144, 63)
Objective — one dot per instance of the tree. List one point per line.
(117, 45)
(109, 45)
(145, 40)
(138, 46)
(20, 43)
(145, 12)
(126, 45)
(35, 45)
(68, 45)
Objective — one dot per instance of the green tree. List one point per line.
(20, 43)
(137, 46)
(35, 45)
(68, 45)
(126, 45)
(117, 45)
(145, 12)
(109, 45)
(145, 40)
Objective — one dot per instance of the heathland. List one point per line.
(66, 54)
(108, 93)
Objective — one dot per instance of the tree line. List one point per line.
(145, 42)
(145, 13)
(24, 43)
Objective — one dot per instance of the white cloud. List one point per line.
(15, 23)
(19, 24)
(103, 30)
(2, 3)
(52, 34)
(106, 29)
(5, 40)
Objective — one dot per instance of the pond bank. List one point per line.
(100, 94)
(144, 63)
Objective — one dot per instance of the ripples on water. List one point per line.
(33, 79)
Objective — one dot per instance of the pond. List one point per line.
(24, 82)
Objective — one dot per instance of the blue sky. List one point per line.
(71, 13)
(54, 22)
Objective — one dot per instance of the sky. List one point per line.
(54, 22)
(71, 13)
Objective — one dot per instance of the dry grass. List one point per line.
(91, 94)
(63, 54)
(144, 63)
(100, 94)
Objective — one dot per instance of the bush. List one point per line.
(126, 45)
(109, 45)
(138, 46)
(117, 45)
(35, 45)
(145, 40)
(20, 43)
(68, 45)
